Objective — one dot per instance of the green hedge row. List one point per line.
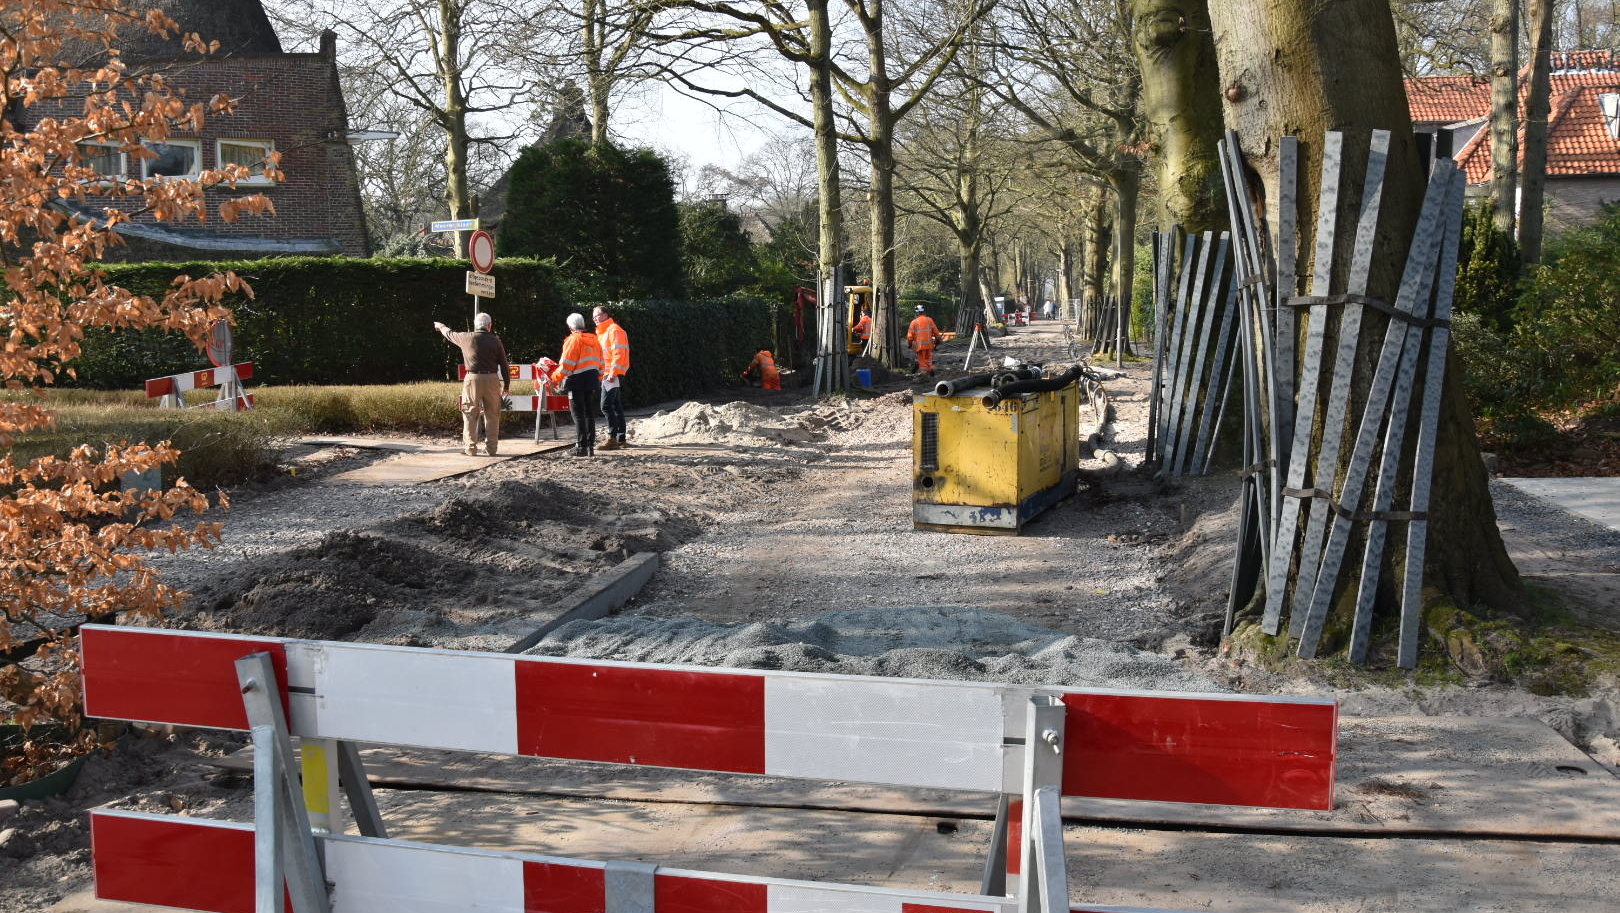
(347, 321)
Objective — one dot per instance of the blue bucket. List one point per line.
(863, 376)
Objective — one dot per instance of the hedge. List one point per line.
(346, 321)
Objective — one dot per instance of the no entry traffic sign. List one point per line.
(481, 249)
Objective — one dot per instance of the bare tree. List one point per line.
(1181, 105)
(1068, 68)
(441, 56)
(1504, 112)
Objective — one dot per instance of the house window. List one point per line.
(177, 158)
(251, 154)
(1610, 103)
(105, 158)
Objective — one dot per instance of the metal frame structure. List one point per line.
(1032, 744)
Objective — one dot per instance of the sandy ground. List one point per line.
(765, 523)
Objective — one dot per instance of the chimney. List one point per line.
(329, 44)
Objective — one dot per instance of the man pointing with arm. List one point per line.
(489, 377)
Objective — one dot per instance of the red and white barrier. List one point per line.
(228, 377)
(1161, 746)
(198, 864)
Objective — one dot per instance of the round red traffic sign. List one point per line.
(481, 248)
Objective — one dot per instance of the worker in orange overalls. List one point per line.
(922, 336)
(863, 328)
(763, 367)
(616, 356)
(579, 373)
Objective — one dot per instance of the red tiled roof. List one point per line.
(1447, 99)
(1578, 140)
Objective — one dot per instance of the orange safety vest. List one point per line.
(769, 377)
(863, 328)
(615, 348)
(581, 352)
(923, 332)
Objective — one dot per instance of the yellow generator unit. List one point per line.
(980, 466)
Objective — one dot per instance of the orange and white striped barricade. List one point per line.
(228, 378)
(542, 402)
(1032, 744)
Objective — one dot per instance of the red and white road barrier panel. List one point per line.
(198, 864)
(1031, 744)
(227, 377)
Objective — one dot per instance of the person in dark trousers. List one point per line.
(489, 378)
(615, 364)
(579, 374)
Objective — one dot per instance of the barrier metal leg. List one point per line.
(286, 828)
(363, 805)
(1043, 885)
(994, 882)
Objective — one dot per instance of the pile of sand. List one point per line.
(734, 423)
(936, 642)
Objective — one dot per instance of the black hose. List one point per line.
(953, 387)
(1043, 385)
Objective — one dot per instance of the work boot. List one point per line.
(470, 450)
(492, 451)
(611, 444)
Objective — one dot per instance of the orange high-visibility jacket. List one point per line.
(769, 377)
(863, 328)
(581, 352)
(924, 332)
(615, 348)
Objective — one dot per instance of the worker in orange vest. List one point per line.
(616, 357)
(764, 368)
(579, 373)
(863, 328)
(922, 336)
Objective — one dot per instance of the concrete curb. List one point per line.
(599, 596)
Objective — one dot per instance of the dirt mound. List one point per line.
(733, 423)
(429, 578)
(938, 642)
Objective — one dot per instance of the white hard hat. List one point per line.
(919, 309)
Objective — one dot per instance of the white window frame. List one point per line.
(1609, 104)
(116, 149)
(265, 147)
(196, 147)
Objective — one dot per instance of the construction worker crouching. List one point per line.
(579, 374)
(488, 378)
(763, 369)
(922, 336)
(615, 347)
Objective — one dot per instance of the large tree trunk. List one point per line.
(1538, 104)
(886, 333)
(1094, 272)
(1126, 182)
(457, 194)
(1182, 106)
(1297, 67)
(1504, 113)
(830, 249)
(1065, 277)
(594, 36)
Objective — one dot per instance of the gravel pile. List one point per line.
(934, 642)
(732, 423)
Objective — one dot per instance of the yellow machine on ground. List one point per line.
(857, 296)
(988, 459)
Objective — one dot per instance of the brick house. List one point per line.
(287, 103)
(1583, 131)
